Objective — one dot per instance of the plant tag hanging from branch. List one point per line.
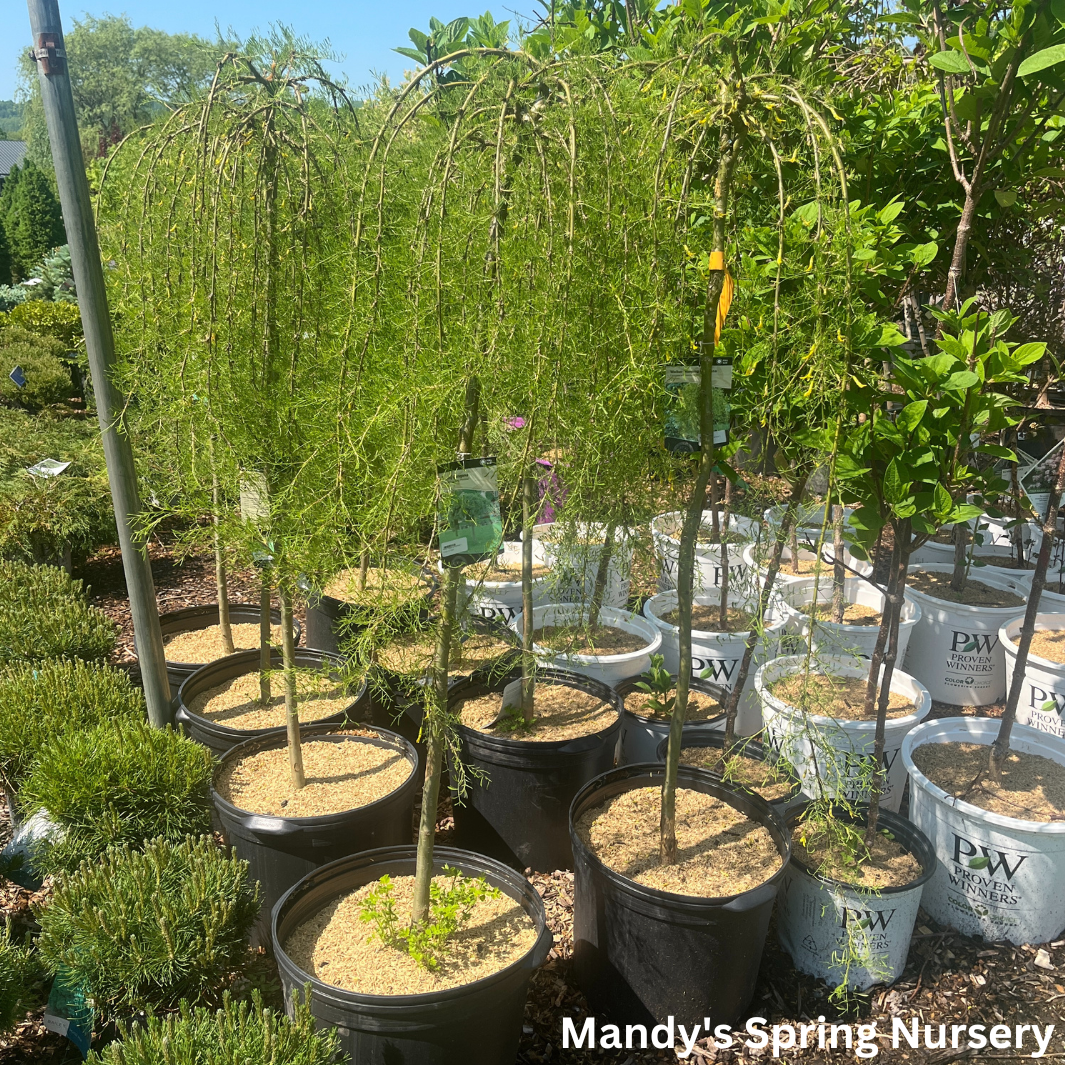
(682, 404)
(254, 497)
(1038, 479)
(471, 528)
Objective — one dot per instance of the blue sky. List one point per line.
(363, 32)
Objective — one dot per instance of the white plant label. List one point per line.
(254, 496)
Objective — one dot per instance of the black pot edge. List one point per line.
(275, 615)
(626, 687)
(773, 821)
(410, 852)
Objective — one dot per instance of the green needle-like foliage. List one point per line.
(45, 615)
(41, 703)
(120, 782)
(146, 929)
(19, 968)
(239, 1033)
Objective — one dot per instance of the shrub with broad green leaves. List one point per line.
(239, 1032)
(19, 970)
(144, 929)
(121, 782)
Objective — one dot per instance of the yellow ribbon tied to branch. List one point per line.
(717, 262)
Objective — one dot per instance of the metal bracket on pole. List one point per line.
(50, 54)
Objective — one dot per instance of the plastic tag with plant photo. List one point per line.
(471, 528)
(681, 429)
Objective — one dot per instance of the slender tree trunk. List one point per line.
(292, 714)
(723, 603)
(961, 543)
(364, 569)
(956, 273)
(877, 660)
(794, 549)
(839, 573)
(219, 560)
(265, 635)
(1000, 748)
(602, 573)
(528, 662)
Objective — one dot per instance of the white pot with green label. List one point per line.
(718, 654)
(501, 599)
(609, 668)
(832, 756)
(955, 651)
(665, 535)
(1042, 698)
(998, 877)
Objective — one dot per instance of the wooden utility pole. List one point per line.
(50, 54)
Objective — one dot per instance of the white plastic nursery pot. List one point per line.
(1043, 687)
(784, 576)
(610, 669)
(822, 921)
(502, 599)
(955, 651)
(707, 556)
(832, 756)
(810, 527)
(574, 562)
(719, 652)
(837, 639)
(998, 877)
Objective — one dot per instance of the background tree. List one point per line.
(32, 219)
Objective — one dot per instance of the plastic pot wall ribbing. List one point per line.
(518, 813)
(641, 735)
(998, 877)
(193, 618)
(220, 738)
(822, 921)
(475, 1024)
(281, 850)
(640, 954)
(1042, 698)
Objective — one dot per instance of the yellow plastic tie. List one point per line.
(717, 262)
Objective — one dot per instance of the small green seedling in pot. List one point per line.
(658, 685)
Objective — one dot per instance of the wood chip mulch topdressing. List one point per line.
(720, 852)
(1004, 563)
(976, 593)
(384, 586)
(205, 645)
(414, 652)
(236, 704)
(496, 570)
(674, 527)
(700, 706)
(339, 776)
(1048, 644)
(582, 640)
(340, 949)
(763, 777)
(823, 849)
(1032, 787)
(708, 619)
(560, 713)
(853, 613)
(839, 697)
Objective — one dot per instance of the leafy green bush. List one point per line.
(41, 517)
(19, 969)
(44, 614)
(120, 782)
(48, 380)
(39, 703)
(144, 929)
(237, 1033)
(59, 320)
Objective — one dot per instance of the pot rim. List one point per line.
(964, 609)
(739, 519)
(190, 612)
(427, 580)
(502, 586)
(625, 688)
(776, 628)
(793, 587)
(1042, 663)
(611, 617)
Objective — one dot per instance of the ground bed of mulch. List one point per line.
(949, 978)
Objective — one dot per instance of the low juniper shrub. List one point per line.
(144, 929)
(119, 782)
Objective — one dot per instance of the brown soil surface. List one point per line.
(559, 713)
(823, 849)
(673, 529)
(580, 640)
(339, 776)
(719, 851)
(838, 697)
(976, 593)
(763, 777)
(1048, 644)
(342, 950)
(1032, 787)
(708, 619)
(235, 704)
(205, 645)
(413, 653)
(853, 613)
(1004, 563)
(700, 706)
(494, 570)
(388, 585)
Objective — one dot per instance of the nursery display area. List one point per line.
(603, 501)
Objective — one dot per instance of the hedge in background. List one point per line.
(142, 930)
(43, 702)
(121, 782)
(48, 378)
(44, 614)
(236, 1034)
(19, 970)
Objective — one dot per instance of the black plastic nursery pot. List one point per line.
(220, 738)
(192, 618)
(751, 748)
(641, 735)
(520, 791)
(281, 850)
(475, 1024)
(641, 954)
